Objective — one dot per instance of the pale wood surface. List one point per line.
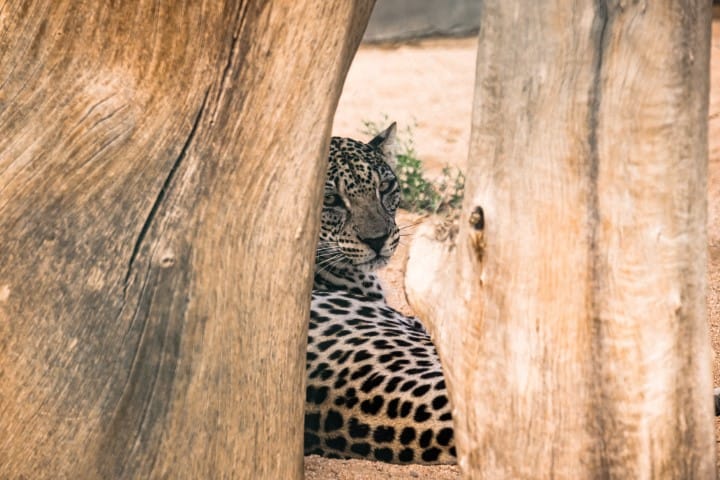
(572, 326)
(160, 167)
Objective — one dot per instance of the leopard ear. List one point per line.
(386, 142)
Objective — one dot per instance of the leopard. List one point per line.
(374, 384)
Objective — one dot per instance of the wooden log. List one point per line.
(571, 320)
(161, 167)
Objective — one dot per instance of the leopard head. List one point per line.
(361, 196)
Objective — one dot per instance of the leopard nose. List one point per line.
(376, 243)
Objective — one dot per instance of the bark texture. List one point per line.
(570, 314)
(160, 167)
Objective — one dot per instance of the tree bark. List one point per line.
(161, 164)
(570, 315)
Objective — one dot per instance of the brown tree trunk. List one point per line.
(161, 164)
(570, 316)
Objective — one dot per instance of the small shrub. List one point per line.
(418, 194)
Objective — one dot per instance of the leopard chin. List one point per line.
(374, 264)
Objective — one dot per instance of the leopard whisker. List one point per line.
(325, 259)
(327, 266)
(413, 224)
(330, 261)
(327, 248)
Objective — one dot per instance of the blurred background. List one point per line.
(394, 20)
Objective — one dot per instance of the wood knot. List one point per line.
(167, 261)
(477, 218)
(477, 235)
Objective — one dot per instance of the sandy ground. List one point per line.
(429, 86)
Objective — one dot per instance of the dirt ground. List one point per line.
(429, 85)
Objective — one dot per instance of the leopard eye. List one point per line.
(386, 186)
(333, 200)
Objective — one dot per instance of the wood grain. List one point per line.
(160, 169)
(572, 325)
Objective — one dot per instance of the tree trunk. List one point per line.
(161, 164)
(570, 316)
